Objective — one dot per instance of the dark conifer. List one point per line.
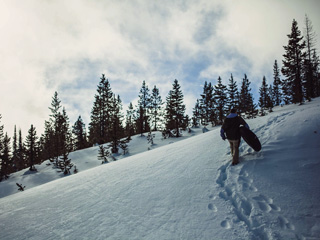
(31, 144)
(47, 142)
(310, 73)
(129, 127)
(175, 109)
(64, 163)
(276, 92)
(144, 104)
(100, 117)
(220, 96)
(155, 108)
(116, 131)
(207, 105)
(316, 70)
(263, 95)
(103, 154)
(233, 95)
(20, 156)
(293, 64)
(196, 118)
(246, 101)
(14, 159)
(80, 135)
(5, 158)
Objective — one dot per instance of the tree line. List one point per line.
(300, 81)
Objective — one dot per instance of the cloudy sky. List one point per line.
(65, 46)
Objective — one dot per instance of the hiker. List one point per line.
(230, 127)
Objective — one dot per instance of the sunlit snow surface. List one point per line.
(180, 189)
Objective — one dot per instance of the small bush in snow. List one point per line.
(103, 154)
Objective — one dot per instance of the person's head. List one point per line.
(233, 110)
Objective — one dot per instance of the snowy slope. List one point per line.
(186, 190)
(84, 160)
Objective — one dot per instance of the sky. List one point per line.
(66, 46)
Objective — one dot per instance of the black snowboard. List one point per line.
(250, 138)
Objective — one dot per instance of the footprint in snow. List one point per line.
(226, 224)
(285, 224)
(212, 207)
(266, 204)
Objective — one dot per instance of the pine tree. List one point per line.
(155, 108)
(31, 147)
(124, 146)
(60, 136)
(100, 117)
(263, 95)
(316, 70)
(310, 75)
(47, 142)
(64, 163)
(142, 109)
(233, 95)
(270, 97)
(129, 128)
(150, 138)
(64, 134)
(175, 109)
(14, 150)
(103, 154)
(220, 97)
(21, 159)
(207, 105)
(252, 107)
(5, 157)
(244, 96)
(80, 135)
(293, 64)
(116, 131)
(196, 118)
(277, 95)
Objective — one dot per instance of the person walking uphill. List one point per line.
(230, 127)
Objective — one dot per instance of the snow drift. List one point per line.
(183, 190)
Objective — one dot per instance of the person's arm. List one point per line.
(222, 134)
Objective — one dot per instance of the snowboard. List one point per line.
(250, 138)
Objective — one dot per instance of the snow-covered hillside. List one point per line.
(183, 190)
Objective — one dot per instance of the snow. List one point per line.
(180, 189)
